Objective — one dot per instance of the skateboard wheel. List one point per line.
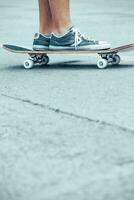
(45, 60)
(28, 64)
(116, 60)
(102, 63)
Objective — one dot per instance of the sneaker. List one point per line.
(41, 41)
(74, 40)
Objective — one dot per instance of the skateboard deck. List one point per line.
(40, 57)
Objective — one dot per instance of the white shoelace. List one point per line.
(78, 36)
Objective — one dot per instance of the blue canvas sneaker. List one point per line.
(74, 40)
(41, 41)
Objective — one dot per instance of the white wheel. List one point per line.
(28, 64)
(102, 63)
(116, 60)
(45, 60)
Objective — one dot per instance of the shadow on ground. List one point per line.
(68, 65)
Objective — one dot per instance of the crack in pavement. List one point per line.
(69, 114)
(125, 162)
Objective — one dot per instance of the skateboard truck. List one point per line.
(108, 58)
(36, 59)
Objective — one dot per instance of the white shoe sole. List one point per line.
(40, 47)
(89, 47)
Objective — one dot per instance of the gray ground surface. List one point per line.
(67, 131)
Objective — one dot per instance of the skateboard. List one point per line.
(40, 57)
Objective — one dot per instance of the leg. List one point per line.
(60, 11)
(42, 39)
(45, 17)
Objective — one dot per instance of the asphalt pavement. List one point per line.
(67, 130)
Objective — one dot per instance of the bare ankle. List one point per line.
(45, 32)
(61, 29)
(47, 29)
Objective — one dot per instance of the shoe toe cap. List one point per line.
(108, 45)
